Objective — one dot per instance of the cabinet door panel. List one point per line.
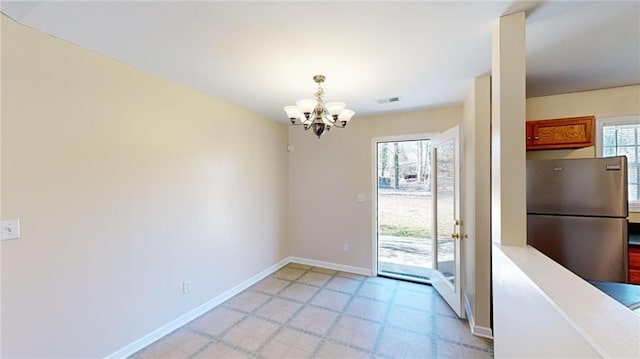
(634, 265)
(561, 133)
(634, 258)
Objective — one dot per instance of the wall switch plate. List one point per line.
(362, 197)
(186, 286)
(345, 248)
(11, 229)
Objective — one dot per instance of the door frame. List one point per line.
(374, 186)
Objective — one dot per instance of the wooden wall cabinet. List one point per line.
(634, 265)
(561, 133)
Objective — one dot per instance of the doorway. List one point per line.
(404, 209)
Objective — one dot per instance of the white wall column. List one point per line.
(508, 166)
(476, 196)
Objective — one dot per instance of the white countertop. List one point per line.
(612, 329)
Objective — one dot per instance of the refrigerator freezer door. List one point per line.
(583, 187)
(594, 248)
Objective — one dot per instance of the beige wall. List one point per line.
(476, 187)
(584, 152)
(326, 176)
(619, 101)
(613, 102)
(126, 185)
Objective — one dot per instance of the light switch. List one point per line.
(362, 197)
(11, 229)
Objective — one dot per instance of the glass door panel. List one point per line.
(445, 172)
(403, 212)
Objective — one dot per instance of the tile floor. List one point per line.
(311, 312)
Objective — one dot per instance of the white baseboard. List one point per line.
(467, 309)
(330, 265)
(476, 330)
(193, 314)
(214, 302)
(482, 332)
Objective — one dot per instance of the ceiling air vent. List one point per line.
(387, 100)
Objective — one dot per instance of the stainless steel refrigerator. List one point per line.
(577, 214)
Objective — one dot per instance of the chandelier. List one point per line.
(316, 115)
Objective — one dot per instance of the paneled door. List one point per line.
(447, 224)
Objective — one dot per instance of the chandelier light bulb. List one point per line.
(335, 108)
(293, 112)
(307, 105)
(346, 115)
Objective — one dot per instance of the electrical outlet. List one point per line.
(345, 248)
(10, 229)
(186, 286)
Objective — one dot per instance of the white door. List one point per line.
(447, 224)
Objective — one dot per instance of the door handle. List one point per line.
(460, 236)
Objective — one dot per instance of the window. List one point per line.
(620, 136)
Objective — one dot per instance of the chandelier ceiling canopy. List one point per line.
(317, 115)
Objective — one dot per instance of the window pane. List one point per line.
(629, 151)
(608, 151)
(633, 175)
(623, 140)
(626, 135)
(609, 136)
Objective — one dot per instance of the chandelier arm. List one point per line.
(335, 122)
(340, 124)
(300, 121)
(326, 115)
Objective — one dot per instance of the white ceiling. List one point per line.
(262, 55)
